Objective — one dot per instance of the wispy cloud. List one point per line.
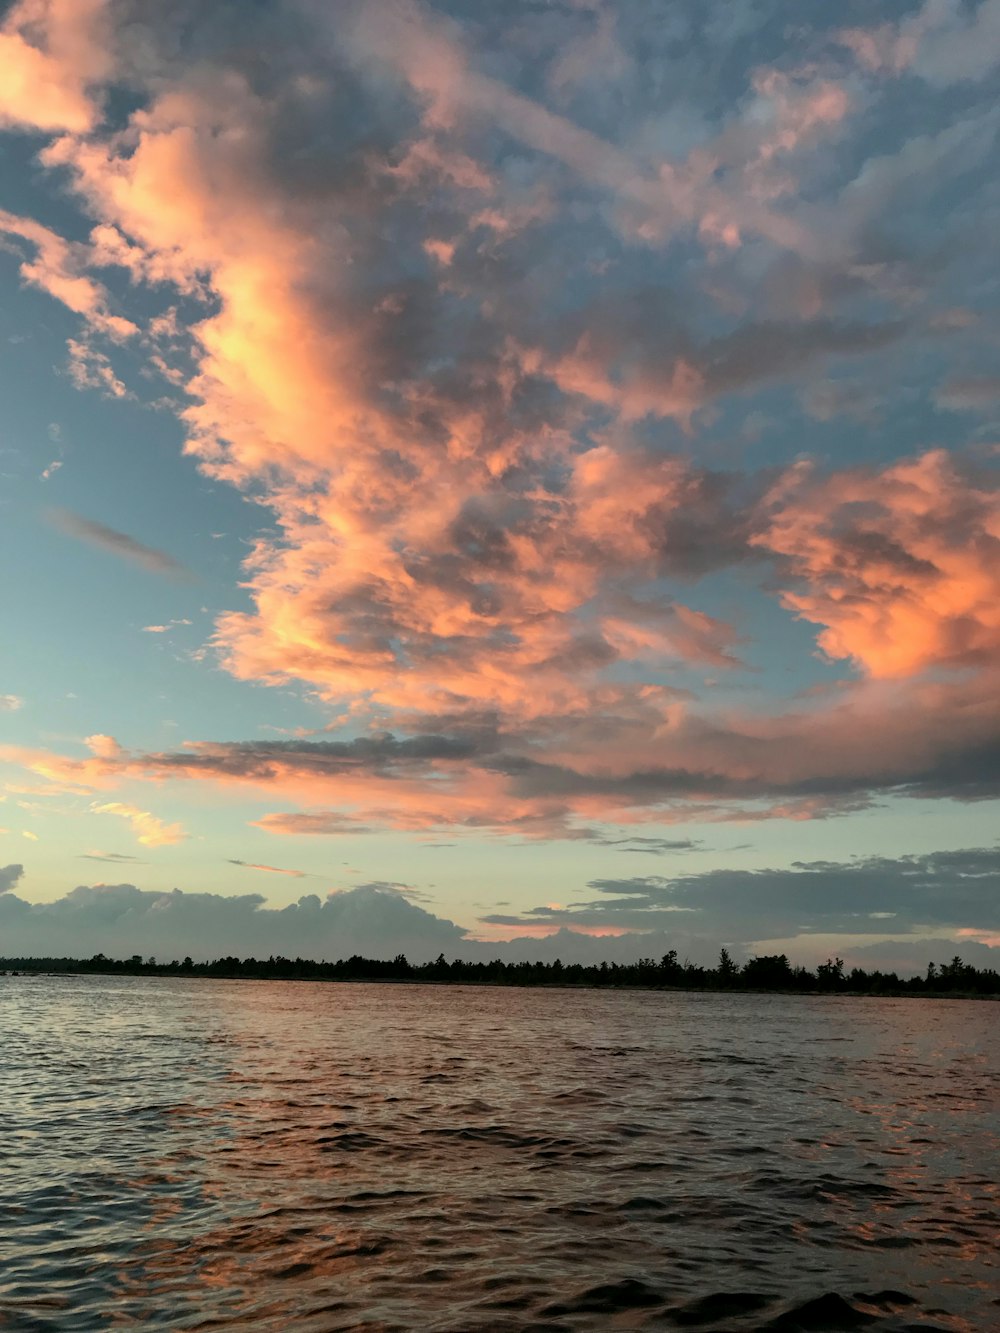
(120, 544)
(273, 870)
(164, 629)
(113, 858)
(10, 703)
(148, 830)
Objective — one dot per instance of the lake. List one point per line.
(196, 1154)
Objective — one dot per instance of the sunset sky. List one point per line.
(534, 466)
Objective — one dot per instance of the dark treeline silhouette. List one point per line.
(771, 972)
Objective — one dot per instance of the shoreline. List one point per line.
(199, 973)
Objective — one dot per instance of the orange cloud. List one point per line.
(149, 831)
(57, 268)
(901, 564)
(51, 53)
(473, 532)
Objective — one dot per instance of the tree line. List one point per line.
(769, 972)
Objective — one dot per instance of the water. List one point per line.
(205, 1154)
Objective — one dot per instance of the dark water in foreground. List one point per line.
(270, 1155)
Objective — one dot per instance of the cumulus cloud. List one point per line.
(376, 920)
(121, 919)
(119, 544)
(502, 468)
(10, 703)
(51, 54)
(900, 564)
(9, 877)
(629, 919)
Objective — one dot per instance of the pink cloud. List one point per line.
(444, 552)
(273, 870)
(819, 760)
(900, 564)
(56, 267)
(51, 53)
(944, 42)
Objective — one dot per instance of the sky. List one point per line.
(500, 479)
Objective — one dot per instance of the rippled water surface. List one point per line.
(208, 1154)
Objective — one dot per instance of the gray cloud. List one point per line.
(121, 919)
(120, 544)
(970, 393)
(263, 759)
(693, 914)
(912, 956)
(648, 846)
(377, 920)
(878, 895)
(822, 759)
(114, 858)
(9, 877)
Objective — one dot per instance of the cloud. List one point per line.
(943, 43)
(871, 896)
(311, 823)
(120, 544)
(900, 564)
(510, 477)
(114, 858)
(120, 919)
(90, 368)
(628, 919)
(970, 393)
(10, 877)
(164, 629)
(104, 747)
(58, 267)
(274, 870)
(648, 846)
(148, 830)
(909, 957)
(376, 920)
(831, 753)
(50, 54)
(10, 703)
(515, 569)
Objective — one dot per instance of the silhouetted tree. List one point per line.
(728, 971)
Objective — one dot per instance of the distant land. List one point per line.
(771, 972)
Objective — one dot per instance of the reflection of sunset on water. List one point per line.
(318, 1156)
